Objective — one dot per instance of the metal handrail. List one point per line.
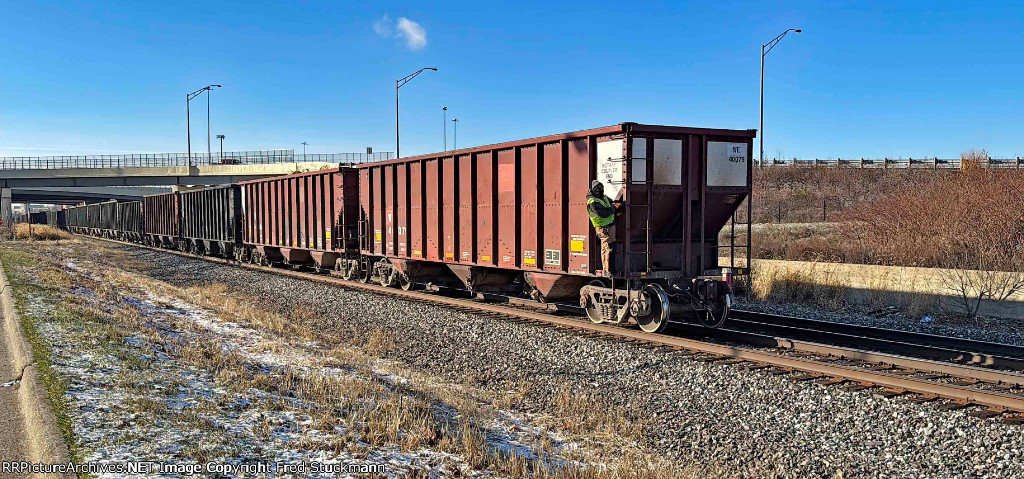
(141, 160)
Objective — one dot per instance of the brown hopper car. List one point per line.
(512, 217)
(305, 218)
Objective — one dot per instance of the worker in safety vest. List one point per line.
(602, 215)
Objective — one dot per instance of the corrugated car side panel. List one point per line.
(337, 231)
(366, 212)
(581, 169)
(555, 235)
(389, 210)
(433, 200)
(486, 191)
(508, 211)
(321, 210)
(380, 236)
(416, 209)
(402, 208)
(467, 217)
(161, 212)
(448, 209)
(529, 214)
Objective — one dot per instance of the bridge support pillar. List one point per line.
(6, 210)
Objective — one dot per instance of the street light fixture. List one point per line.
(221, 138)
(398, 84)
(455, 140)
(767, 47)
(188, 119)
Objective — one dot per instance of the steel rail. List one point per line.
(951, 353)
(1009, 378)
(995, 400)
(947, 342)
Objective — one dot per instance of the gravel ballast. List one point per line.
(748, 420)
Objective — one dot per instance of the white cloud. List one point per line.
(413, 33)
(383, 27)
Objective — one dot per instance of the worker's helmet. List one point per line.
(597, 187)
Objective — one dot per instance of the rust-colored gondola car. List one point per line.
(96, 219)
(162, 219)
(304, 218)
(129, 221)
(512, 217)
(211, 220)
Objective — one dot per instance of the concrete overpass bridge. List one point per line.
(88, 194)
(73, 179)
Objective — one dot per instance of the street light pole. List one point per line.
(444, 124)
(304, 151)
(398, 84)
(767, 47)
(188, 119)
(455, 140)
(221, 157)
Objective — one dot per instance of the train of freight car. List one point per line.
(529, 217)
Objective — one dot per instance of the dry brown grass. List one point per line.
(40, 232)
(374, 413)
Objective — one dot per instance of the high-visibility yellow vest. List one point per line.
(595, 219)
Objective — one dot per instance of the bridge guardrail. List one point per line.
(901, 163)
(252, 157)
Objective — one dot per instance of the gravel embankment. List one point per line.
(751, 420)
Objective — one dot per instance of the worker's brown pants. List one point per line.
(607, 236)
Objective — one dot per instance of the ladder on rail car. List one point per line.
(741, 274)
(627, 183)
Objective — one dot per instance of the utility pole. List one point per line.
(221, 138)
(444, 124)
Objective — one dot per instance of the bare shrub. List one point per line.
(970, 222)
(973, 283)
(801, 191)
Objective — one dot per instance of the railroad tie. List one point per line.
(890, 392)
(858, 386)
(988, 412)
(953, 405)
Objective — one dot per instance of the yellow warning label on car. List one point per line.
(417, 252)
(485, 258)
(576, 246)
(530, 261)
(377, 236)
(327, 234)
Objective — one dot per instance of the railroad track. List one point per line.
(945, 369)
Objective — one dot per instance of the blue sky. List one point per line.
(868, 79)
